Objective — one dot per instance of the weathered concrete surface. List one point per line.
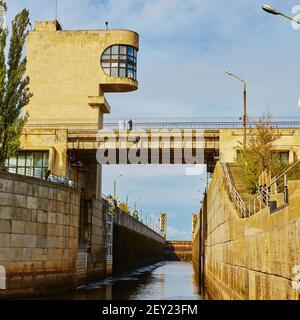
(134, 244)
(38, 235)
(249, 258)
(178, 250)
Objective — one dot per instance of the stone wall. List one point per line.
(134, 244)
(250, 258)
(38, 235)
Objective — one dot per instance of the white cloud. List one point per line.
(176, 234)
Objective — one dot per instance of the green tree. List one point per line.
(14, 91)
(259, 154)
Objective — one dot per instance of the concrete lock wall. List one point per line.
(251, 258)
(38, 235)
(97, 263)
(134, 244)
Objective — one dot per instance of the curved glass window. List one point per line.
(119, 61)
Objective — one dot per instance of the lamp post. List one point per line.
(115, 185)
(276, 12)
(245, 105)
(127, 195)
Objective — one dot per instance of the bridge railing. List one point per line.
(209, 125)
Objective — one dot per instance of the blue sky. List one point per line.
(184, 48)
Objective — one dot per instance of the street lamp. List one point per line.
(276, 12)
(115, 185)
(245, 104)
(127, 195)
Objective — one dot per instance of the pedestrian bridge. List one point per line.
(169, 142)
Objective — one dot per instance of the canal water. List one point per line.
(162, 281)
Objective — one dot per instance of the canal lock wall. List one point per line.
(247, 258)
(134, 244)
(39, 237)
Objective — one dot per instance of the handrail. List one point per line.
(234, 195)
(263, 196)
(175, 124)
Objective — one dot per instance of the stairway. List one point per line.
(237, 176)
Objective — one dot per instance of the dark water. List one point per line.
(162, 281)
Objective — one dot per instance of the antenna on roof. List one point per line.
(106, 23)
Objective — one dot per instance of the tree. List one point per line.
(14, 91)
(259, 154)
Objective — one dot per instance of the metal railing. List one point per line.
(234, 195)
(38, 173)
(263, 198)
(201, 125)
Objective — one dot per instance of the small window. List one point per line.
(284, 157)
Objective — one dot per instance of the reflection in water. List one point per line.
(161, 281)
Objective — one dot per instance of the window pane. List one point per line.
(122, 73)
(284, 157)
(114, 72)
(115, 49)
(21, 170)
(12, 169)
(130, 73)
(105, 57)
(29, 159)
(37, 173)
(114, 64)
(21, 160)
(122, 57)
(46, 159)
(122, 65)
(106, 70)
(13, 161)
(130, 51)
(107, 51)
(105, 64)
(114, 57)
(28, 171)
(38, 159)
(122, 49)
(130, 58)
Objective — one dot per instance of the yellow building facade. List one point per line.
(70, 71)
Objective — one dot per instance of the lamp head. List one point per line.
(270, 9)
(228, 72)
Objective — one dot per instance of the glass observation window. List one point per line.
(119, 61)
(29, 163)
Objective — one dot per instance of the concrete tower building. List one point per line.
(70, 71)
